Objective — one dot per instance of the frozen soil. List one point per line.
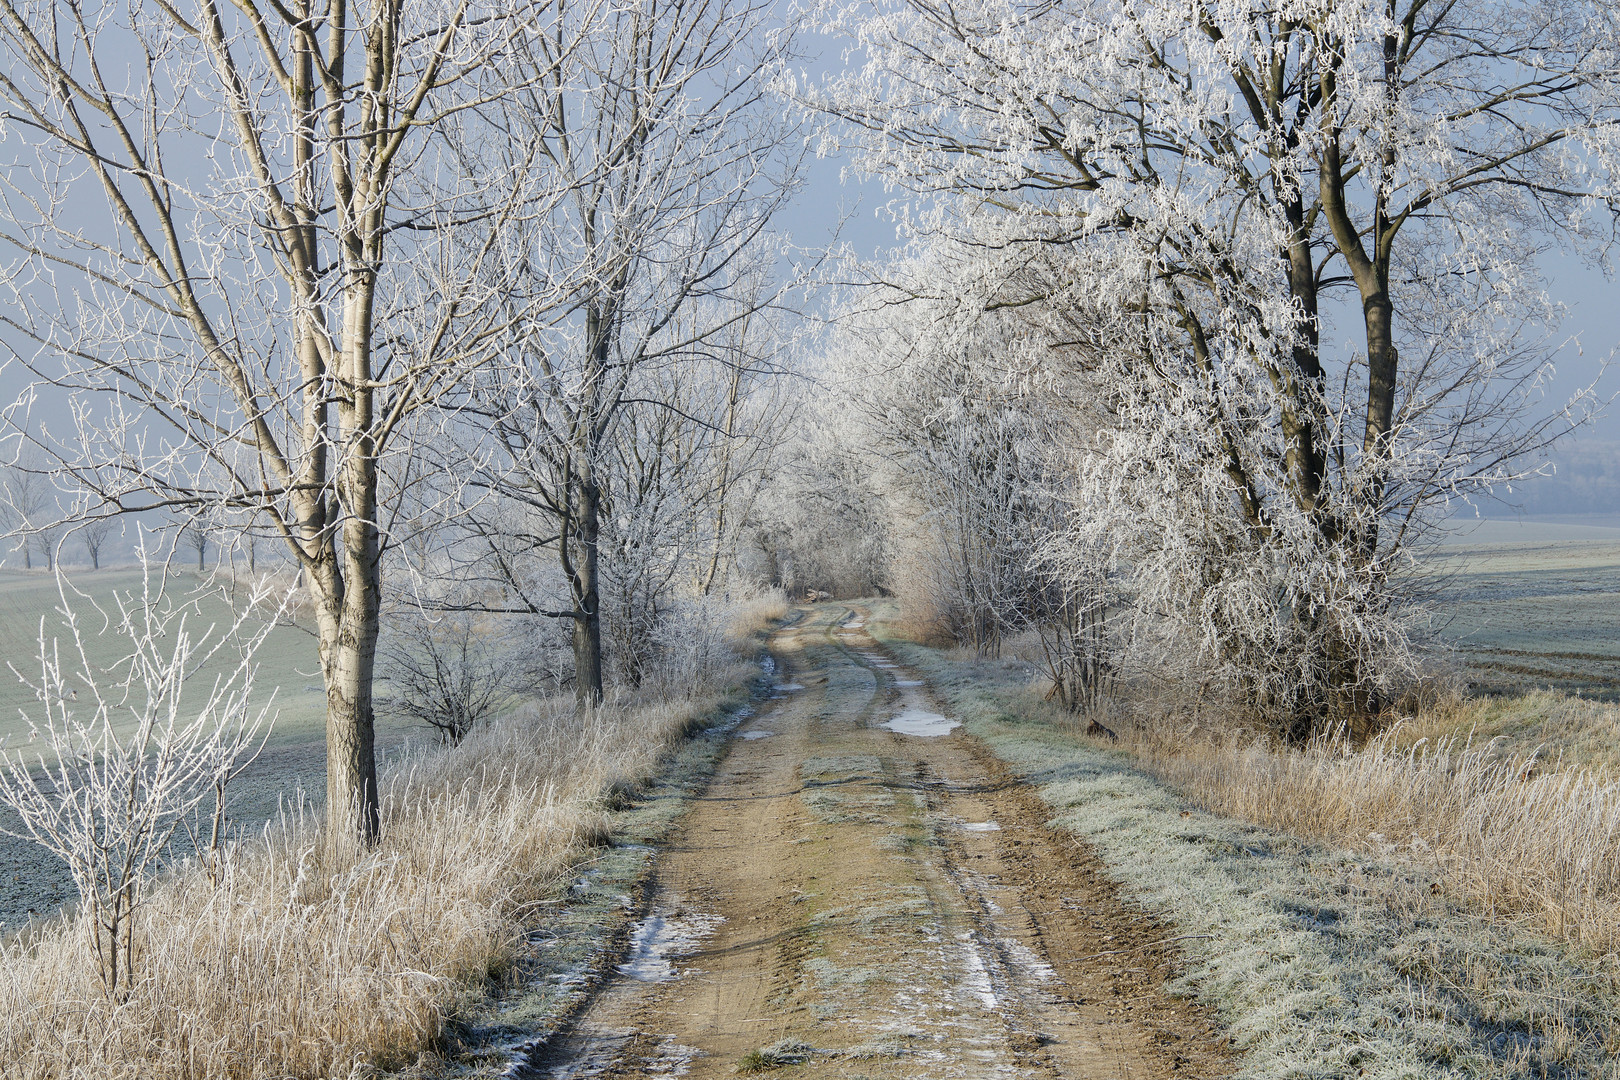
(852, 900)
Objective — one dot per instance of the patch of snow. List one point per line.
(977, 981)
(674, 1059)
(1025, 959)
(908, 682)
(980, 826)
(758, 733)
(658, 937)
(921, 723)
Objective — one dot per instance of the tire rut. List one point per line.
(847, 900)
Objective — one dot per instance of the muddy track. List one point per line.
(864, 891)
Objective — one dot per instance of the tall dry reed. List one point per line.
(1506, 830)
(292, 966)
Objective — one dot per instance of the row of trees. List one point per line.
(1210, 309)
(1222, 305)
(420, 291)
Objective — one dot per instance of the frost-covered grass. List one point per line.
(1562, 731)
(1510, 803)
(1531, 605)
(1323, 960)
(296, 967)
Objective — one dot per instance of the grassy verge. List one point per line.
(569, 945)
(1323, 960)
(470, 926)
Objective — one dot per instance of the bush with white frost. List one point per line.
(122, 759)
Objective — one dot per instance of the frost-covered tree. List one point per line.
(241, 246)
(821, 524)
(1200, 198)
(95, 534)
(121, 759)
(654, 116)
(682, 469)
(970, 435)
(28, 504)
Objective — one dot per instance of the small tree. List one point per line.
(47, 540)
(126, 763)
(195, 537)
(95, 533)
(26, 491)
(445, 671)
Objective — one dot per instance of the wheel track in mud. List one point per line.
(862, 929)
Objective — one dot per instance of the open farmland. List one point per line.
(32, 882)
(1534, 604)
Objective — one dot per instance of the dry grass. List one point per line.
(1562, 730)
(296, 967)
(752, 618)
(1509, 802)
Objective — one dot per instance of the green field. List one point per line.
(30, 603)
(1533, 604)
(294, 756)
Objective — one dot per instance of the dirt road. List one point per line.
(863, 892)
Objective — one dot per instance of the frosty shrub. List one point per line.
(449, 671)
(123, 758)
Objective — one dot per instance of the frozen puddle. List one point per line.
(732, 722)
(788, 688)
(914, 719)
(920, 722)
(980, 826)
(908, 682)
(757, 734)
(658, 937)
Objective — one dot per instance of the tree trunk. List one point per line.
(587, 601)
(348, 615)
(1303, 420)
(1379, 315)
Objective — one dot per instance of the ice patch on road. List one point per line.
(758, 733)
(915, 719)
(980, 826)
(921, 723)
(658, 937)
(733, 722)
(977, 981)
(908, 682)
